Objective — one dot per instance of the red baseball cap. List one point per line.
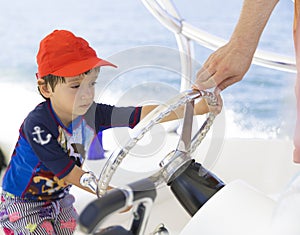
(63, 54)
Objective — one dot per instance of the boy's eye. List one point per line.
(75, 86)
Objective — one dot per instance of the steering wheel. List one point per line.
(176, 159)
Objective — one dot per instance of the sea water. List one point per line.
(261, 106)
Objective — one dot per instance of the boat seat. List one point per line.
(236, 209)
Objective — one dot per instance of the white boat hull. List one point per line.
(256, 173)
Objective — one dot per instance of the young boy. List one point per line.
(56, 137)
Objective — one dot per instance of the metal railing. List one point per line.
(165, 12)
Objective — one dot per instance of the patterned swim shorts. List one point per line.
(20, 216)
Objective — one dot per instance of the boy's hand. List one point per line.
(216, 109)
(203, 106)
(126, 209)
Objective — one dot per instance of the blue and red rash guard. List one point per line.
(47, 151)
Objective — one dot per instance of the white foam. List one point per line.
(16, 101)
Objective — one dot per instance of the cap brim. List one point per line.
(80, 67)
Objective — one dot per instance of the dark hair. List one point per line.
(53, 80)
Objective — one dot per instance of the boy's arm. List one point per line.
(200, 108)
(74, 178)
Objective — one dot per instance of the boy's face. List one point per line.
(74, 97)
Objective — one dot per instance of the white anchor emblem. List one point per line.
(39, 139)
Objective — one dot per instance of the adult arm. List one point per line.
(229, 63)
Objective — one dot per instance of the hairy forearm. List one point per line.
(252, 21)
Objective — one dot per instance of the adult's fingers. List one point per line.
(210, 83)
(205, 80)
(227, 82)
(203, 74)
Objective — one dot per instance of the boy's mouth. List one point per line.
(85, 105)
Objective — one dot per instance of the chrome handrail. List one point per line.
(165, 12)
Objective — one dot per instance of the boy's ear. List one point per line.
(44, 88)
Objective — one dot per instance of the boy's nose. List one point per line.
(87, 93)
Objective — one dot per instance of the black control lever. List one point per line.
(114, 200)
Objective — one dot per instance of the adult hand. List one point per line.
(224, 67)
